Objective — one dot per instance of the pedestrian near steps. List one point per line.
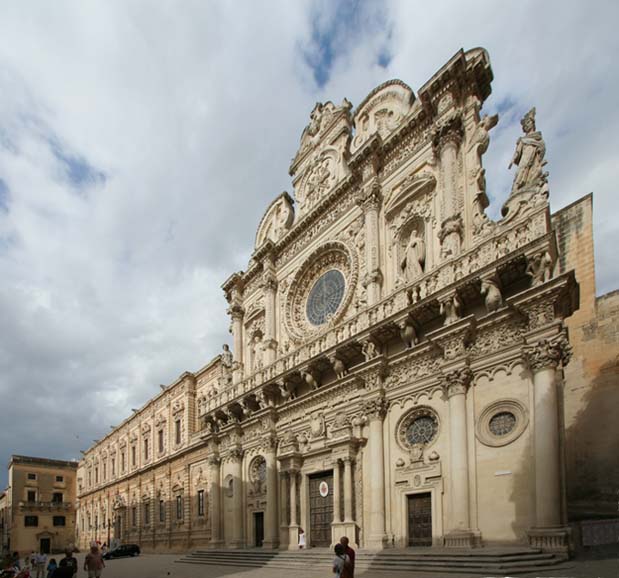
(344, 541)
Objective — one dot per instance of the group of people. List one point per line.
(37, 566)
(344, 562)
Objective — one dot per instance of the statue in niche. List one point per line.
(369, 349)
(529, 157)
(256, 349)
(539, 268)
(414, 257)
(451, 308)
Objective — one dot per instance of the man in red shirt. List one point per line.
(351, 553)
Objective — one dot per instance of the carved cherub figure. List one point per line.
(369, 350)
(539, 268)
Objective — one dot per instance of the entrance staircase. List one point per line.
(483, 561)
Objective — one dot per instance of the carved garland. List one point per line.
(333, 255)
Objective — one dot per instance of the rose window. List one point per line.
(325, 297)
(422, 430)
(502, 423)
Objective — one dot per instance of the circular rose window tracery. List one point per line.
(417, 427)
(325, 297)
(321, 290)
(501, 422)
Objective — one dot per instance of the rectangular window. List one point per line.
(146, 449)
(32, 496)
(123, 461)
(160, 438)
(31, 521)
(113, 467)
(133, 456)
(32, 476)
(59, 478)
(60, 521)
(104, 471)
(96, 475)
(179, 507)
(89, 478)
(177, 432)
(161, 511)
(134, 516)
(200, 502)
(57, 497)
(147, 514)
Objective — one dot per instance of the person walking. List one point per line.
(342, 568)
(301, 538)
(67, 567)
(344, 541)
(40, 562)
(51, 567)
(93, 563)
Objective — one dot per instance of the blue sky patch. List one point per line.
(4, 196)
(77, 169)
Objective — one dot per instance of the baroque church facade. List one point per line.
(397, 361)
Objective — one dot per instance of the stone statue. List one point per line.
(414, 257)
(226, 358)
(529, 157)
(408, 333)
(451, 309)
(257, 352)
(539, 268)
(369, 350)
(310, 379)
(492, 294)
(338, 366)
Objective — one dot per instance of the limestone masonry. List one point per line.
(399, 371)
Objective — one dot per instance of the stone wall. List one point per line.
(592, 377)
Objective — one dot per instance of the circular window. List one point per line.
(422, 430)
(501, 422)
(418, 427)
(325, 297)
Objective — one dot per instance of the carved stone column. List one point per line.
(271, 531)
(375, 410)
(370, 205)
(544, 358)
(215, 491)
(447, 139)
(455, 384)
(348, 491)
(236, 459)
(269, 285)
(293, 537)
(237, 312)
(336, 493)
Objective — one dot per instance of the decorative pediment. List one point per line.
(145, 428)
(408, 190)
(322, 159)
(381, 112)
(276, 221)
(178, 406)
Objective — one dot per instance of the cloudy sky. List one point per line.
(141, 141)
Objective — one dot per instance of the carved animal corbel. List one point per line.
(492, 294)
(311, 378)
(338, 366)
(408, 332)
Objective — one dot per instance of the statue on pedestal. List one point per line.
(529, 156)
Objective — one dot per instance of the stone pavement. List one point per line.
(164, 566)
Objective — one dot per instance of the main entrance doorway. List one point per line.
(45, 545)
(321, 508)
(258, 529)
(420, 520)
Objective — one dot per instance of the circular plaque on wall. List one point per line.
(323, 488)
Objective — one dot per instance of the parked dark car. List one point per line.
(123, 550)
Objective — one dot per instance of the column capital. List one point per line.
(448, 131)
(371, 197)
(548, 353)
(236, 454)
(269, 281)
(214, 461)
(375, 409)
(236, 312)
(456, 382)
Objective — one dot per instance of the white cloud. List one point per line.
(192, 110)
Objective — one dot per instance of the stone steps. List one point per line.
(478, 561)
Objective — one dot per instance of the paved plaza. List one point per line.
(165, 565)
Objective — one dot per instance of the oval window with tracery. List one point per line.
(502, 423)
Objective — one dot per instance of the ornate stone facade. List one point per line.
(395, 351)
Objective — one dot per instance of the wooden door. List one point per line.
(321, 508)
(420, 520)
(45, 545)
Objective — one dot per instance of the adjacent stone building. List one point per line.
(37, 511)
(398, 361)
